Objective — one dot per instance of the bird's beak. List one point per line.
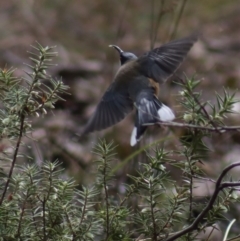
(117, 48)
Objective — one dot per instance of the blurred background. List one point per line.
(81, 30)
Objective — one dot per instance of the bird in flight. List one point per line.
(136, 84)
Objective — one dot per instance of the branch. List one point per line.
(190, 186)
(44, 219)
(70, 224)
(159, 17)
(220, 129)
(171, 35)
(21, 216)
(106, 197)
(84, 208)
(171, 214)
(235, 238)
(21, 128)
(14, 158)
(218, 188)
(154, 235)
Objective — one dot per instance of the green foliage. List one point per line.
(42, 206)
(38, 204)
(29, 95)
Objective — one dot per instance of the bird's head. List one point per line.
(124, 56)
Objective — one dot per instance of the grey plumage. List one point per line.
(137, 84)
(160, 63)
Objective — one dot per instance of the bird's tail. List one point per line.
(149, 112)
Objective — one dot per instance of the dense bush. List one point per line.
(37, 203)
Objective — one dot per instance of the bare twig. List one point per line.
(204, 178)
(121, 18)
(152, 25)
(213, 228)
(160, 15)
(174, 29)
(219, 186)
(235, 238)
(220, 129)
(106, 198)
(211, 180)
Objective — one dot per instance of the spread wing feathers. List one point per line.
(112, 108)
(162, 62)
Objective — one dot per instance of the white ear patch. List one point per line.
(165, 113)
(133, 140)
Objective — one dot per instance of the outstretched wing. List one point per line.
(162, 62)
(113, 107)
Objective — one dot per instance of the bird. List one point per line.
(136, 85)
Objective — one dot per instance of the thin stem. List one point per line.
(123, 201)
(220, 129)
(44, 220)
(45, 199)
(137, 152)
(218, 188)
(22, 119)
(152, 214)
(121, 18)
(204, 178)
(152, 25)
(84, 208)
(235, 238)
(175, 26)
(160, 15)
(106, 196)
(191, 189)
(34, 221)
(21, 216)
(210, 233)
(14, 158)
(169, 216)
(225, 184)
(70, 225)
